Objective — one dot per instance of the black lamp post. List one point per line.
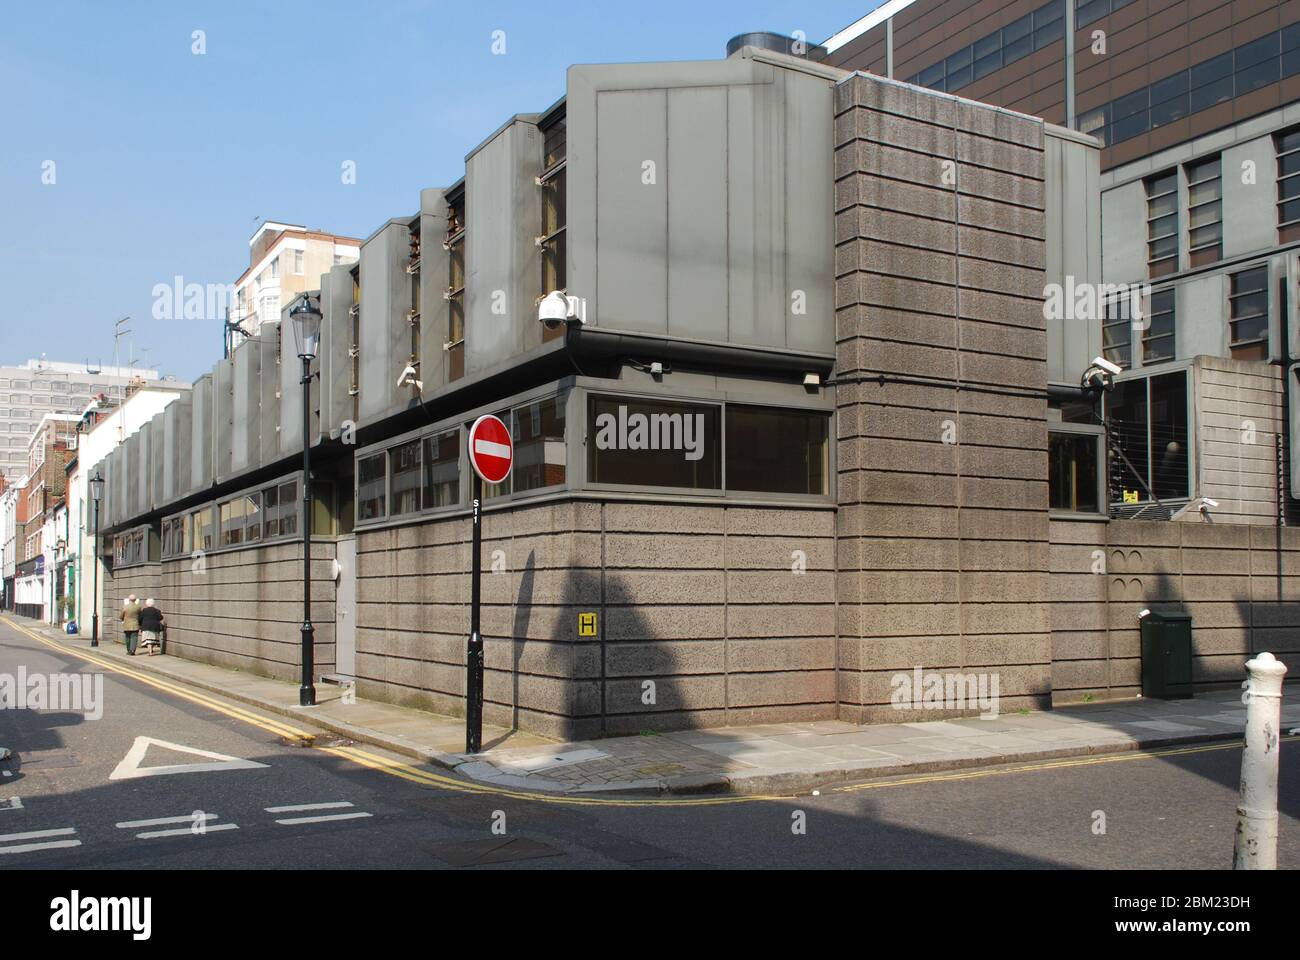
(306, 328)
(96, 494)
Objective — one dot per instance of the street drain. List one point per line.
(339, 742)
(468, 853)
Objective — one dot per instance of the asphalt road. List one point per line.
(361, 808)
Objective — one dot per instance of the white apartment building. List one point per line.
(284, 259)
(31, 390)
(100, 437)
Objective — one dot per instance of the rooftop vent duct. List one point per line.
(778, 43)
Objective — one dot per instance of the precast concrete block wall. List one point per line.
(243, 608)
(1240, 583)
(142, 579)
(705, 616)
(942, 531)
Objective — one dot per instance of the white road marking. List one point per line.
(13, 803)
(160, 821)
(39, 835)
(130, 767)
(336, 816)
(186, 831)
(301, 807)
(29, 847)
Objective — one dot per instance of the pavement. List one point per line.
(785, 758)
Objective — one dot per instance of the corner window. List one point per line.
(654, 443)
(442, 470)
(776, 451)
(1248, 310)
(537, 430)
(372, 481)
(1074, 471)
(407, 478)
(1148, 423)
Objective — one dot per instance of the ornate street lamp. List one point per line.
(305, 317)
(96, 494)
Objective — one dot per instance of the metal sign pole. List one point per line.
(474, 660)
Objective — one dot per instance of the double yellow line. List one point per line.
(274, 726)
(366, 758)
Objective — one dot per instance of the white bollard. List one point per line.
(1256, 843)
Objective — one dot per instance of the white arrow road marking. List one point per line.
(492, 449)
(304, 807)
(130, 767)
(38, 835)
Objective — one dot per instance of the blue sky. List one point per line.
(164, 160)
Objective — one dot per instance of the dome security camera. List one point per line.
(553, 310)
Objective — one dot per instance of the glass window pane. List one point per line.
(1202, 98)
(1291, 63)
(1169, 110)
(1289, 211)
(653, 443)
(1260, 75)
(1203, 236)
(1205, 213)
(1088, 12)
(1017, 29)
(1256, 51)
(1126, 420)
(254, 513)
(407, 477)
(1288, 164)
(372, 477)
(986, 65)
(442, 470)
(288, 508)
(1049, 34)
(1169, 436)
(1169, 87)
(1211, 70)
(1130, 127)
(1072, 472)
(776, 451)
(959, 78)
(931, 76)
(1251, 328)
(1130, 104)
(987, 45)
(1291, 37)
(1011, 52)
(538, 434)
(1164, 226)
(962, 58)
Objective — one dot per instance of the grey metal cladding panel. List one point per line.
(809, 212)
(632, 227)
(695, 178)
(757, 148)
(290, 391)
(246, 424)
(336, 336)
(110, 489)
(1073, 249)
(157, 459)
(178, 471)
(223, 404)
(434, 279)
(744, 197)
(201, 434)
(129, 501)
(385, 333)
(491, 331)
(268, 343)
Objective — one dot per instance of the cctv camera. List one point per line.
(1208, 502)
(553, 310)
(408, 377)
(1106, 365)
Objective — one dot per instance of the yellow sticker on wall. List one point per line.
(586, 624)
(1130, 496)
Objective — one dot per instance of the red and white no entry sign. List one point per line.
(491, 452)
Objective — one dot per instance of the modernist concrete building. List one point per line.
(795, 441)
